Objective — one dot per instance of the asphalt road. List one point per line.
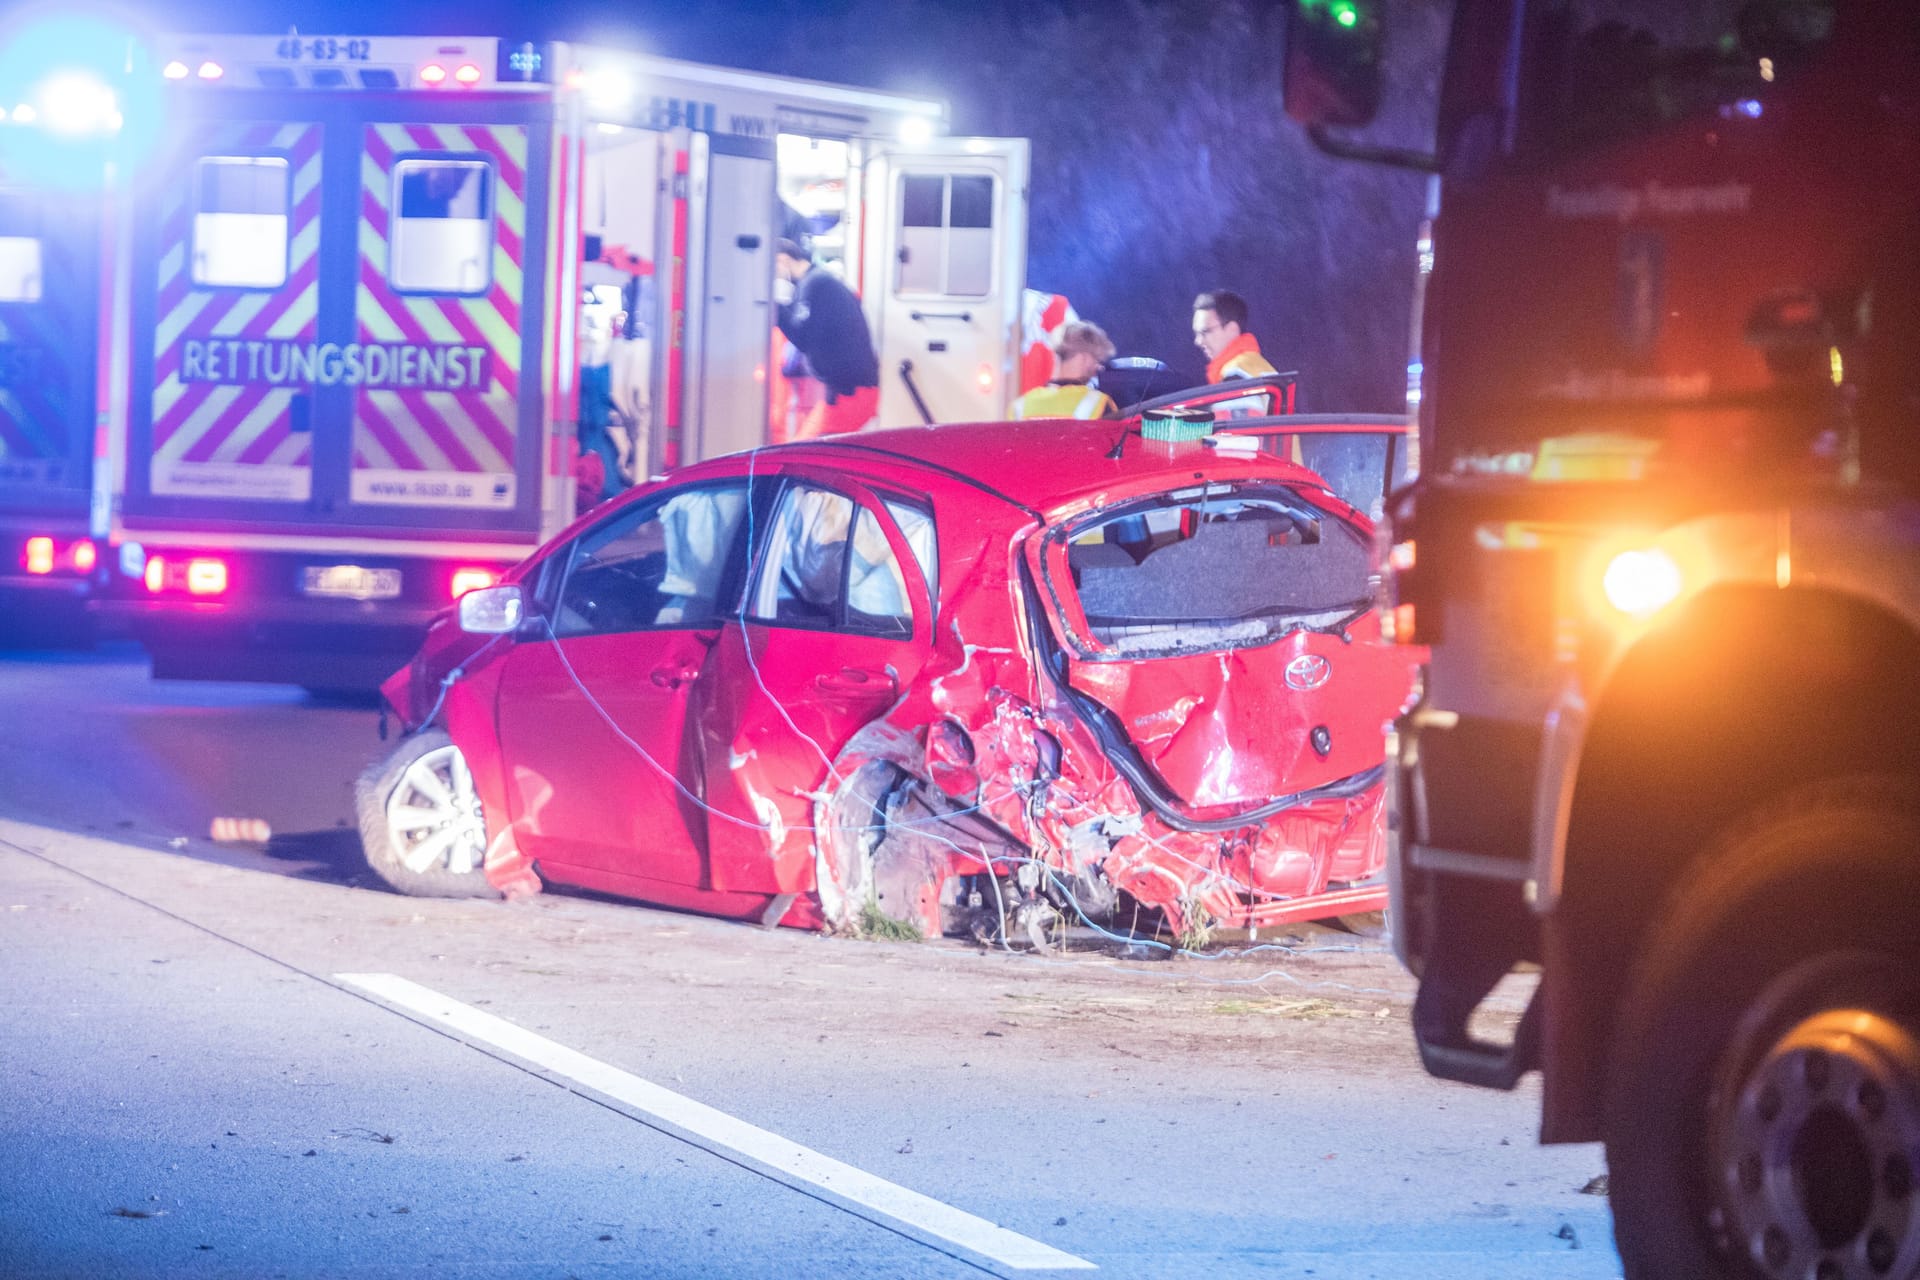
(221, 1060)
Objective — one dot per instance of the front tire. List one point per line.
(421, 823)
(1762, 1106)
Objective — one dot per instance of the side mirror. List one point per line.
(492, 611)
(1333, 62)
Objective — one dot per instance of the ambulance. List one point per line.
(59, 123)
(365, 278)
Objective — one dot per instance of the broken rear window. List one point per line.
(1216, 568)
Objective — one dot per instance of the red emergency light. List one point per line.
(197, 576)
(433, 73)
(467, 74)
(211, 71)
(43, 555)
(471, 578)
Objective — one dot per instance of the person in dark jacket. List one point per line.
(824, 321)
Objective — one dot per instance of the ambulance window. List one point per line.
(19, 251)
(946, 235)
(240, 222)
(442, 239)
(970, 238)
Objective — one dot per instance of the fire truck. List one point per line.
(1664, 553)
(361, 276)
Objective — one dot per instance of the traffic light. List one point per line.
(1334, 61)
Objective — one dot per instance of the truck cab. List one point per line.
(1665, 556)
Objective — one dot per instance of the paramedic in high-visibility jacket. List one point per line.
(822, 317)
(1220, 330)
(1079, 352)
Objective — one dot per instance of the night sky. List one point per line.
(1162, 162)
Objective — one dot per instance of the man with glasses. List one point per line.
(1220, 330)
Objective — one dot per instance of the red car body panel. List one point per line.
(718, 769)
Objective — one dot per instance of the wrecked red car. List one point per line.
(981, 679)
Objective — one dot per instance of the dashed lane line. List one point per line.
(884, 1203)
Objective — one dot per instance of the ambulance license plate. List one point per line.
(350, 582)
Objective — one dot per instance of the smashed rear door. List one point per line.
(1214, 637)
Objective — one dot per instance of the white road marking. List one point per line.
(801, 1167)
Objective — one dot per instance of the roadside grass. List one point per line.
(876, 925)
(1311, 1009)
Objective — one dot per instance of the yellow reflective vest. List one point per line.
(1064, 400)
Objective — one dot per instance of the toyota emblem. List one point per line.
(1308, 671)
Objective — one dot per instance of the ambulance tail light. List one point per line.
(211, 71)
(467, 74)
(176, 70)
(471, 578)
(984, 378)
(43, 555)
(206, 576)
(196, 575)
(433, 73)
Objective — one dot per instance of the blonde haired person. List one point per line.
(1079, 352)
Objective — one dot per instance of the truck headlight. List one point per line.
(1642, 581)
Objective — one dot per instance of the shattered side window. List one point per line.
(1215, 569)
(657, 566)
(824, 563)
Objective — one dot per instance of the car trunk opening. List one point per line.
(1220, 630)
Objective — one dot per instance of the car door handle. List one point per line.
(671, 676)
(855, 680)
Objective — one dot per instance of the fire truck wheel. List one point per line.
(420, 820)
(1762, 1114)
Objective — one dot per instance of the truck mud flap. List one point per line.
(1450, 1051)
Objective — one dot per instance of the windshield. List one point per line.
(1601, 70)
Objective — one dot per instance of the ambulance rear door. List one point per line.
(343, 291)
(947, 260)
(730, 293)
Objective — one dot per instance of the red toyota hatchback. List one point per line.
(957, 679)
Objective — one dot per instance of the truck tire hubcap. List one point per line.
(1814, 1151)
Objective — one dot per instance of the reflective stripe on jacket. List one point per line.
(1240, 358)
(1064, 400)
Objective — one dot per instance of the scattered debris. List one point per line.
(369, 1134)
(178, 842)
(906, 1148)
(1596, 1186)
(1567, 1233)
(124, 1212)
(241, 831)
